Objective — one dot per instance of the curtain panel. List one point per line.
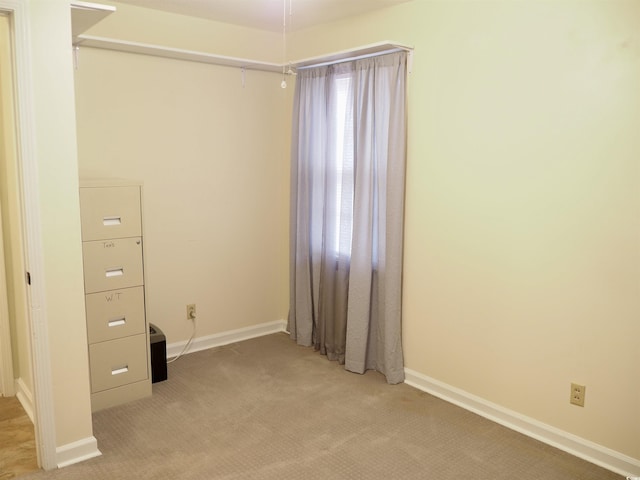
(347, 212)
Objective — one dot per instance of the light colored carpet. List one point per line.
(269, 409)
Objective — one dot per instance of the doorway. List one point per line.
(25, 184)
(16, 349)
(16, 378)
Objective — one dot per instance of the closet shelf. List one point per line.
(85, 15)
(175, 53)
(202, 57)
(352, 54)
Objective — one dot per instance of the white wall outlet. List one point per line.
(577, 394)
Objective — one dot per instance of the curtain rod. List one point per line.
(357, 57)
(363, 51)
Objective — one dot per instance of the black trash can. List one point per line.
(158, 354)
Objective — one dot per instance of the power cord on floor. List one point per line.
(192, 317)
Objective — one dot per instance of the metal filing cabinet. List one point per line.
(117, 331)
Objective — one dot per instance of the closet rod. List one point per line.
(351, 59)
(363, 51)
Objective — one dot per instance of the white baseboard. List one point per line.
(25, 397)
(589, 451)
(77, 452)
(225, 338)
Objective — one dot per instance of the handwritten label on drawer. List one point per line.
(112, 296)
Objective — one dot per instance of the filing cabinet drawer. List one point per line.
(118, 362)
(112, 264)
(114, 314)
(110, 212)
(117, 330)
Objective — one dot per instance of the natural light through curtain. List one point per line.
(343, 163)
(347, 209)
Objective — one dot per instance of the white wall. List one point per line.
(522, 264)
(56, 157)
(213, 156)
(522, 260)
(144, 25)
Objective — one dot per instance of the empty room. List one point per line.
(378, 239)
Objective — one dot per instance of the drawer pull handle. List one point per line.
(111, 221)
(116, 322)
(118, 371)
(114, 272)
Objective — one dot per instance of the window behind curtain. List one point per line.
(347, 203)
(342, 214)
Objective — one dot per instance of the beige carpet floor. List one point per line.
(269, 409)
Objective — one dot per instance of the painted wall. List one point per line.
(213, 156)
(55, 133)
(144, 25)
(11, 226)
(522, 260)
(522, 266)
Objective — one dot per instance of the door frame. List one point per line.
(32, 236)
(7, 386)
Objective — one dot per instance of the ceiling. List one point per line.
(268, 14)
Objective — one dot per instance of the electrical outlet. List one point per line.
(577, 394)
(191, 311)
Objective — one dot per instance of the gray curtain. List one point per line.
(347, 212)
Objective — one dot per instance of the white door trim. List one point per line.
(7, 388)
(28, 171)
